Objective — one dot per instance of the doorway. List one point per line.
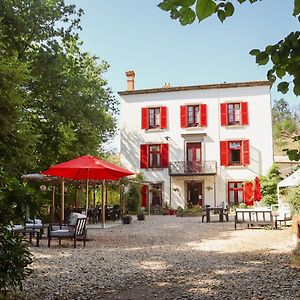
(194, 194)
(193, 157)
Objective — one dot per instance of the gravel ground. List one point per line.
(166, 257)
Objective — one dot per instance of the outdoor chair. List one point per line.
(75, 232)
(282, 213)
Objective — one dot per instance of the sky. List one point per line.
(137, 35)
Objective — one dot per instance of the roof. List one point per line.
(197, 87)
(292, 180)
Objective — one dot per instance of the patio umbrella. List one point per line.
(86, 168)
(257, 191)
(248, 193)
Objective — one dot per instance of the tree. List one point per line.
(284, 55)
(54, 103)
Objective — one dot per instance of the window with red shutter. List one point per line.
(224, 154)
(163, 118)
(165, 155)
(203, 115)
(246, 152)
(183, 116)
(245, 117)
(144, 156)
(144, 120)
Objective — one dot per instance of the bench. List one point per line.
(255, 216)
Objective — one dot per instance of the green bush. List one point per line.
(133, 198)
(14, 260)
(294, 199)
(268, 200)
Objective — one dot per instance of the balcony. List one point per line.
(187, 168)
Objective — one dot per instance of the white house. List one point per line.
(196, 144)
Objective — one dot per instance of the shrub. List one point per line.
(294, 199)
(14, 260)
(133, 198)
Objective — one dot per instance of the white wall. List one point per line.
(259, 132)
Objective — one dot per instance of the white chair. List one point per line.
(282, 213)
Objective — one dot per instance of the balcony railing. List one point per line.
(192, 168)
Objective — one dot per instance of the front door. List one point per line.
(194, 193)
(193, 156)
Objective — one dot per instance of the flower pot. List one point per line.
(141, 217)
(127, 219)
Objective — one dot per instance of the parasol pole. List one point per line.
(62, 216)
(53, 203)
(103, 205)
(87, 197)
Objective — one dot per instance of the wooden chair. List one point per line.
(77, 232)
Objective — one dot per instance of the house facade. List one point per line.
(196, 145)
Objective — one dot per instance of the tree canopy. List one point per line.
(54, 102)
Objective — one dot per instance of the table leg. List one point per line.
(207, 215)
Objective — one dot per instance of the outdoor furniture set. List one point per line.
(222, 211)
(259, 216)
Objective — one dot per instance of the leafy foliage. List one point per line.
(293, 197)
(14, 260)
(269, 185)
(284, 55)
(54, 103)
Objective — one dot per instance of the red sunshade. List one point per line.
(257, 190)
(248, 193)
(87, 167)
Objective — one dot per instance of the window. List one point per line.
(154, 117)
(193, 115)
(234, 153)
(154, 156)
(235, 192)
(234, 113)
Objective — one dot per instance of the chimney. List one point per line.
(130, 80)
(167, 85)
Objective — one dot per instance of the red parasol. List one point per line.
(257, 190)
(87, 168)
(248, 194)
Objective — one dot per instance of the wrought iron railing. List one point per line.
(193, 168)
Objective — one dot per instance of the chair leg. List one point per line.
(49, 239)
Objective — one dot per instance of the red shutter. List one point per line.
(203, 115)
(144, 118)
(224, 114)
(246, 152)
(244, 110)
(164, 155)
(224, 153)
(183, 116)
(144, 195)
(163, 117)
(144, 156)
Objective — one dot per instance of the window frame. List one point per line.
(154, 125)
(194, 116)
(236, 118)
(153, 162)
(230, 153)
(236, 191)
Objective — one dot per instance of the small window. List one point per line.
(235, 153)
(154, 156)
(235, 192)
(193, 115)
(154, 117)
(234, 114)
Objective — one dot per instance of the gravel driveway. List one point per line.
(167, 257)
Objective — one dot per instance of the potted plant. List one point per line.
(127, 219)
(140, 215)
